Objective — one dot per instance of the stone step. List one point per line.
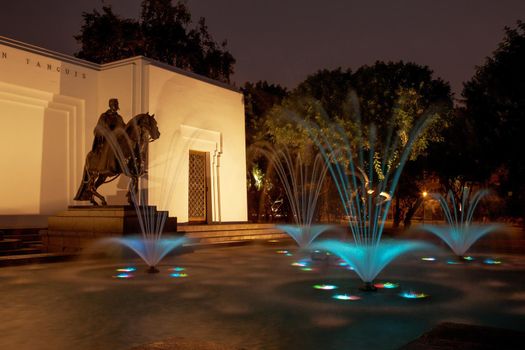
(15, 260)
(238, 238)
(9, 244)
(230, 232)
(21, 251)
(222, 227)
(23, 237)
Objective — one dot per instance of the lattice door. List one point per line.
(197, 187)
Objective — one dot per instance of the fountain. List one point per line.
(460, 233)
(150, 246)
(366, 181)
(302, 182)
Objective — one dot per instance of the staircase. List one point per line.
(20, 242)
(229, 233)
(24, 246)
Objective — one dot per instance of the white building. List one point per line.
(50, 104)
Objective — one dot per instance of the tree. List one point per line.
(164, 32)
(392, 96)
(105, 37)
(495, 106)
(259, 98)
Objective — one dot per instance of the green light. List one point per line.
(346, 297)
(325, 286)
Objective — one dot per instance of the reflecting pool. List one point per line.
(250, 297)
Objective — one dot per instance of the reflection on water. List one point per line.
(249, 297)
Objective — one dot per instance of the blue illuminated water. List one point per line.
(460, 233)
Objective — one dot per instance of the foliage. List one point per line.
(495, 105)
(164, 32)
(105, 37)
(259, 98)
(392, 96)
(330, 97)
(264, 198)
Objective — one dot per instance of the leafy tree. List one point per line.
(392, 96)
(330, 87)
(263, 196)
(453, 161)
(397, 88)
(106, 37)
(495, 106)
(259, 99)
(164, 32)
(395, 95)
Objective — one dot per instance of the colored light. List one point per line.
(413, 295)
(178, 269)
(346, 297)
(452, 262)
(273, 241)
(428, 259)
(491, 262)
(468, 258)
(179, 275)
(127, 269)
(306, 269)
(289, 254)
(300, 264)
(386, 285)
(325, 286)
(342, 263)
(123, 275)
(282, 252)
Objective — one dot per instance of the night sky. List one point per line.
(283, 41)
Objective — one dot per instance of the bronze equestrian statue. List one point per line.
(118, 148)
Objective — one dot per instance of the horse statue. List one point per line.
(124, 152)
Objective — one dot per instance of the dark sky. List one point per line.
(283, 41)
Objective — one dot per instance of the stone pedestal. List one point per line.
(79, 226)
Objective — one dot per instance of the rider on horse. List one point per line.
(109, 123)
(118, 148)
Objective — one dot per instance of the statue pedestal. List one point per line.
(79, 226)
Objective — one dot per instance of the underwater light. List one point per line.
(453, 262)
(178, 269)
(413, 295)
(489, 261)
(386, 285)
(428, 259)
(179, 275)
(346, 297)
(127, 269)
(325, 286)
(123, 275)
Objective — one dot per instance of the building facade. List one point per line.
(50, 104)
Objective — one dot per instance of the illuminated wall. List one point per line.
(50, 103)
(197, 115)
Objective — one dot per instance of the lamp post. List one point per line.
(424, 194)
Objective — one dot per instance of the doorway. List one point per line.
(198, 187)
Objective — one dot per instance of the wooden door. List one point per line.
(197, 190)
